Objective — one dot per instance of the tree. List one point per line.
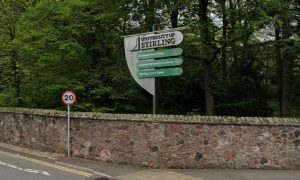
(209, 55)
(283, 13)
(74, 44)
(10, 12)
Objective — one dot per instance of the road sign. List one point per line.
(68, 97)
(159, 63)
(149, 42)
(159, 53)
(159, 72)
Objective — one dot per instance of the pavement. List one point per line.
(106, 171)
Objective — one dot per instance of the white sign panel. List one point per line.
(131, 59)
(151, 41)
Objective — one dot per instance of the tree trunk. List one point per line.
(209, 98)
(279, 65)
(286, 70)
(14, 59)
(232, 33)
(126, 11)
(174, 15)
(16, 76)
(207, 64)
(224, 46)
(150, 18)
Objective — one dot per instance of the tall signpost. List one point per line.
(68, 97)
(155, 95)
(148, 56)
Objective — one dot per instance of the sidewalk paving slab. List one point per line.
(156, 175)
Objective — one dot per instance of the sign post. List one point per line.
(147, 61)
(68, 131)
(68, 97)
(155, 95)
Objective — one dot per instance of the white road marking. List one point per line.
(60, 167)
(25, 170)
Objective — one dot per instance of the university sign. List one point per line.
(143, 56)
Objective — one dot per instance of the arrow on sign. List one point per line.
(159, 53)
(159, 63)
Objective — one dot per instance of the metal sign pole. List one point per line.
(68, 97)
(155, 98)
(68, 131)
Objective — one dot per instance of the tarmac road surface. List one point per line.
(16, 167)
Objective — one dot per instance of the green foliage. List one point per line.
(49, 46)
(251, 108)
(74, 45)
(8, 98)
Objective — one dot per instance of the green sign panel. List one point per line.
(160, 63)
(159, 53)
(159, 72)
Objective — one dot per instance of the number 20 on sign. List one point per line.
(68, 98)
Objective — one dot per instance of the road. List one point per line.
(16, 167)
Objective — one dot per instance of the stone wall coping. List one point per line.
(181, 119)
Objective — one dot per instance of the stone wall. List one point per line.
(159, 140)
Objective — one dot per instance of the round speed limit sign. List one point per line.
(68, 97)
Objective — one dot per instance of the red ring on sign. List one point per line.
(68, 103)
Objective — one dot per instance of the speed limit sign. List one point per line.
(68, 97)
